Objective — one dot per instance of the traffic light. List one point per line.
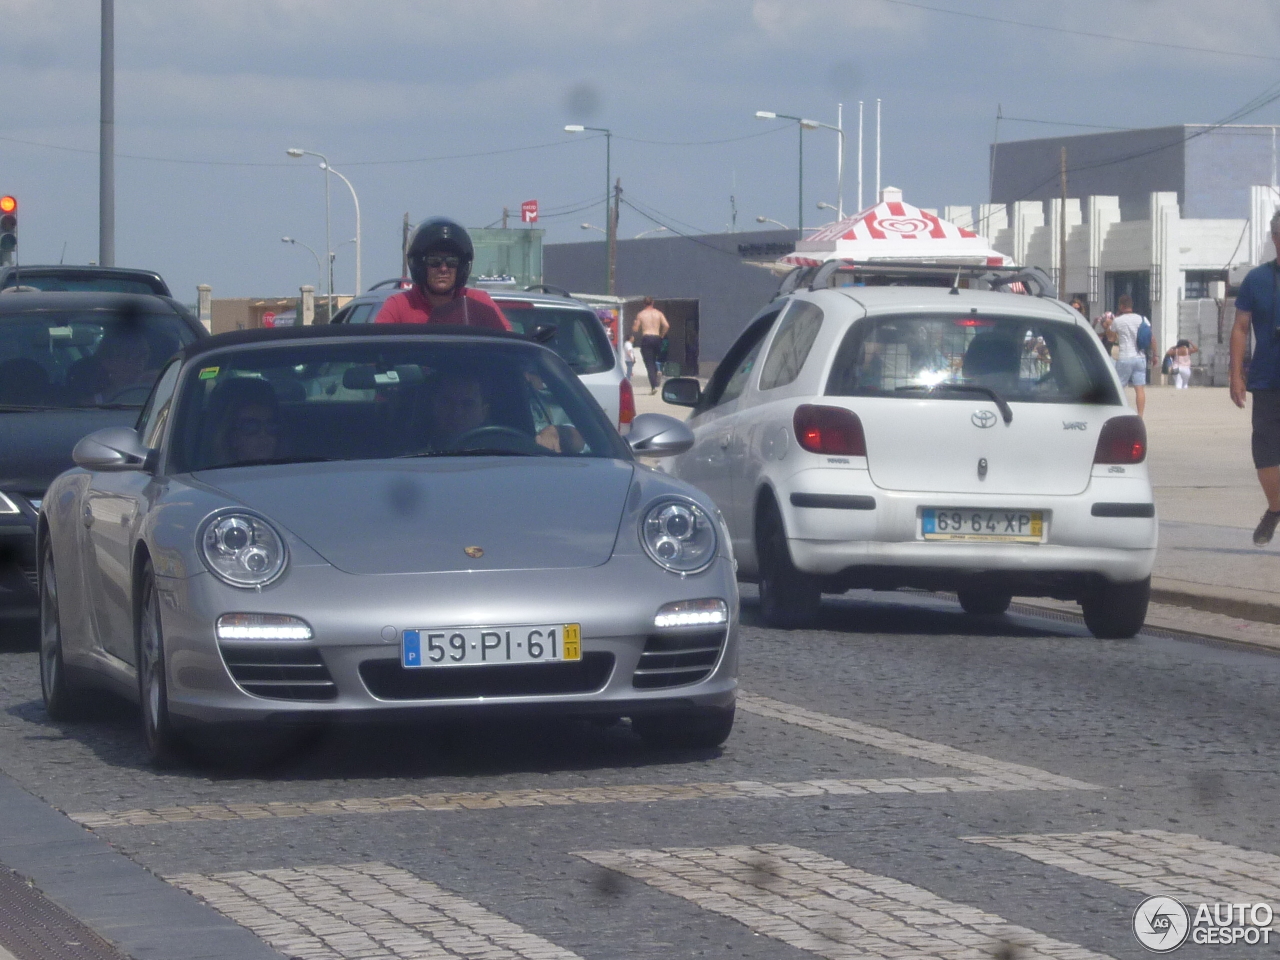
(8, 227)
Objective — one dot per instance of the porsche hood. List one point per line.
(426, 516)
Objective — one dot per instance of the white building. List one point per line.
(1177, 270)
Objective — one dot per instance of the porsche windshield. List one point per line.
(368, 400)
(1022, 359)
(54, 358)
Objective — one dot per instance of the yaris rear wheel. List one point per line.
(788, 597)
(1116, 611)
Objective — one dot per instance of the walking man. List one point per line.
(1258, 305)
(1131, 364)
(650, 326)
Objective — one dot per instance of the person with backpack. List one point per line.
(1133, 337)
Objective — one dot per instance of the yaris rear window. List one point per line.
(1023, 359)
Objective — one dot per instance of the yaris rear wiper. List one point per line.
(1005, 410)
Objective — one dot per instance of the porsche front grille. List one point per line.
(388, 680)
(675, 659)
(279, 671)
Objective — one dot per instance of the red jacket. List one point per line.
(469, 306)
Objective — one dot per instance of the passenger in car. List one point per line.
(993, 361)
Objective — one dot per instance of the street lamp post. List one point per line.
(771, 220)
(356, 201)
(611, 234)
(592, 226)
(319, 269)
(839, 128)
(800, 121)
(645, 233)
(328, 242)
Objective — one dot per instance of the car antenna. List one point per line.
(955, 286)
(64, 253)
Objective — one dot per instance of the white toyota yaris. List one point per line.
(886, 437)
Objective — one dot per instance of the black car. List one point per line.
(70, 364)
(67, 278)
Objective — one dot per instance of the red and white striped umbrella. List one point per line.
(894, 230)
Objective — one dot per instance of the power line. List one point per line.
(1268, 96)
(345, 163)
(1077, 33)
(678, 233)
(772, 131)
(1064, 123)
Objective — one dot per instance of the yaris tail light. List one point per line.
(626, 402)
(1123, 440)
(831, 430)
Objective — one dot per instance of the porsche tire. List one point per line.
(163, 745)
(984, 603)
(698, 729)
(62, 699)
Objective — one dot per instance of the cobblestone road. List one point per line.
(903, 781)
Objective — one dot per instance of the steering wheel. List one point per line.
(499, 437)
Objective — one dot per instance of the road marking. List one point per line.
(638, 793)
(363, 910)
(1025, 778)
(1154, 862)
(828, 908)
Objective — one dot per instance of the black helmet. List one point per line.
(433, 236)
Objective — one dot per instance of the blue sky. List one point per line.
(230, 84)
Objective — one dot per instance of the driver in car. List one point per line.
(121, 361)
(459, 406)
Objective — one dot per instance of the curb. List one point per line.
(1216, 601)
(135, 911)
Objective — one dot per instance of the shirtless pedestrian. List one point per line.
(650, 326)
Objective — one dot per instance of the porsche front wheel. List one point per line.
(60, 698)
(161, 740)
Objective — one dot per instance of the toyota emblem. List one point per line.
(983, 419)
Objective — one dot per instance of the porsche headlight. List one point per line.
(679, 535)
(242, 549)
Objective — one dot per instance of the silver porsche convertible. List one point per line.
(384, 522)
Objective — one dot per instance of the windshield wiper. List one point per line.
(1006, 412)
(111, 406)
(263, 461)
(27, 407)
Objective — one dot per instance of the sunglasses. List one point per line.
(435, 263)
(252, 426)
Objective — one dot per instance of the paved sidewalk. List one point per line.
(1207, 499)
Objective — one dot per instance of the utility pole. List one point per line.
(800, 216)
(404, 247)
(505, 214)
(1062, 232)
(107, 140)
(613, 237)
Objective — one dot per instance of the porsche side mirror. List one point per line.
(682, 391)
(112, 449)
(657, 435)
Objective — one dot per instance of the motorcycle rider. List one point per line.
(440, 257)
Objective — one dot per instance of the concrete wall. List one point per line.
(1221, 166)
(715, 269)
